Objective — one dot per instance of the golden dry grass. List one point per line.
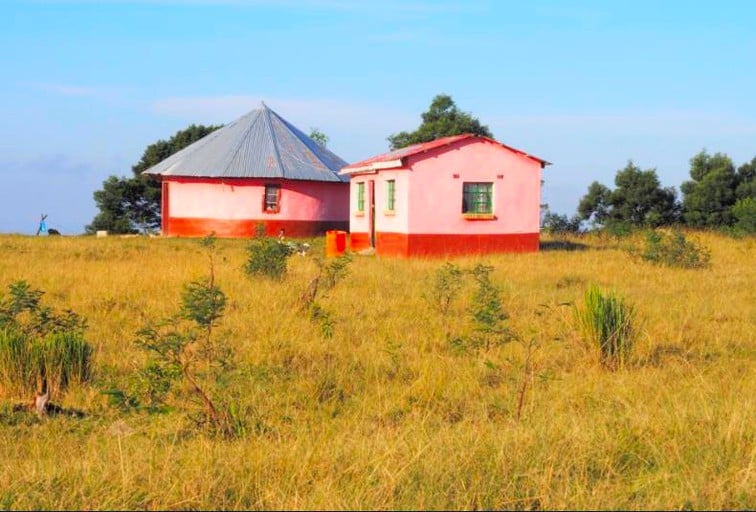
(387, 414)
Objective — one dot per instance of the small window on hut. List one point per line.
(390, 195)
(477, 200)
(361, 197)
(272, 199)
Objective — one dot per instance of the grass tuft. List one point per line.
(607, 322)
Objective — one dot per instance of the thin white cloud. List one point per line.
(70, 90)
(652, 122)
(48, 165)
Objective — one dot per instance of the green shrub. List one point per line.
(329, 273)
(671, 249)
(184, 348)
(607, 322)
(447, 284)
(267, 257)
(487, 311)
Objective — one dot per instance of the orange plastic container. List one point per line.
(335, 243)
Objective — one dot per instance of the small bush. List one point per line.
(487, 311)
(267, 257)
(447, 284)
(183, 348)
(329, 273)
(671, 249)
(607, 322)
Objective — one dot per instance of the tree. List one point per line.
(744, 212)
(559, 225)
(638, 200)
(746, 188)
(744, 209)
(708, 199)
(594, 206)
(442, 119)
(319, 137)
(131, 205)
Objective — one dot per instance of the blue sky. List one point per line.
(86, 85)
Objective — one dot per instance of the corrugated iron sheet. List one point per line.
(260, 144)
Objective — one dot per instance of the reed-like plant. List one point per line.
(40, 349)
(58, 359)
(606, 320)
(66, 359)
(16, 369)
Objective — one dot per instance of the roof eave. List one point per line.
(372, 167)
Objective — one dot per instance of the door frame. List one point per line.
(371, 212)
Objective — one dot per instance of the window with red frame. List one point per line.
(272, 199)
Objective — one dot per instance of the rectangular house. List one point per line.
(458, 195)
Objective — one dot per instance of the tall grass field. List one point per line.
(398, 404)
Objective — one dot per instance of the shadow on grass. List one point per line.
(562, 245)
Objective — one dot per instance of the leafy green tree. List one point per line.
(746, 188)
(125, 206)
(744, 209)
(708, 199)
(557, 224)
(319, 137)
(594, 206)
(638, 200)
(131, 205)
(443, 119)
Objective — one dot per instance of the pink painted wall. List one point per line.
(242, 199)
(436, 195)
(396, 221)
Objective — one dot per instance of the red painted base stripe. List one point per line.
(358, 241)
(248, 228)
(403, 245)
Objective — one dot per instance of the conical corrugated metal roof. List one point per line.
(260, 144)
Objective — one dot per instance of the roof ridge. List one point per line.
(266, 117)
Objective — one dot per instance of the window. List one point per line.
(361, 197)
(390, 195)
(477, 198)
(272, 199)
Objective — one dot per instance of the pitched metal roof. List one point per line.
(395, 158)
(260, 144)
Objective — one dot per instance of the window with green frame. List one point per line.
(477, 198)
(390, 195)
(361, 197)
